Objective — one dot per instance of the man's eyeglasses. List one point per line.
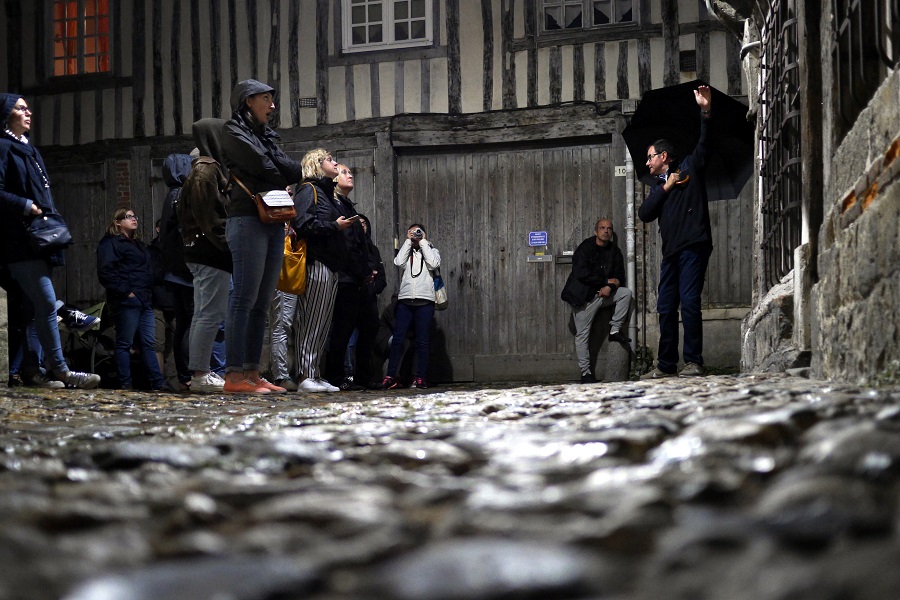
(651, 155)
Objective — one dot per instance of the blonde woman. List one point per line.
(125, 269)
(320, 222)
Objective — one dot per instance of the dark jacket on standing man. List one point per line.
(683, 212)
(592, 267)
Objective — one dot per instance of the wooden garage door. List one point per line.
(82, 198)
(506, 320)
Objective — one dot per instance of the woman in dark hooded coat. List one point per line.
(253, 157)
(24, 195)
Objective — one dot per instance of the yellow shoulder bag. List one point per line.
(292, 279)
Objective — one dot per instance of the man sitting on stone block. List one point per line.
(597, 280)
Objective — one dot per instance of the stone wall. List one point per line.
(856, 321)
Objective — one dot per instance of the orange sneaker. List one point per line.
(244, 386)
(262, 382)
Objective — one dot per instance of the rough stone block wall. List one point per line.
(857, 322)
(767, 331)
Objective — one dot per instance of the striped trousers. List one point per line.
(315, 308)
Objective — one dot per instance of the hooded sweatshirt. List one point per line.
(202, 207)
(252, 154)
(23, 181)
(176, 169)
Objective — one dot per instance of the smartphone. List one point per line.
(353, 218)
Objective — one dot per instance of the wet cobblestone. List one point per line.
(738, 487)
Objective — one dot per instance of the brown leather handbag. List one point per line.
(275, 206)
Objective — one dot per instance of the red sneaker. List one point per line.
(389, 383)
(420, 383)
(262, 382)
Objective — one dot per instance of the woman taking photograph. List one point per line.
(253, 157)
(415, 304)
(24, 195)
(125, 269)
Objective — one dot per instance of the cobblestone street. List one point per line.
(726, 487)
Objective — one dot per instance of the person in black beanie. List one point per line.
(257, 165)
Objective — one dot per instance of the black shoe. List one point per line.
(619, 337)
(347, 385)
(167, 388)
(588, 378)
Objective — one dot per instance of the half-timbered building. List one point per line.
(486, 120)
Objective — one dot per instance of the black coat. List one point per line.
(592, 267)
(124, 266)
(315, 222)
(683, 212)
(23, 181)
(356, 269)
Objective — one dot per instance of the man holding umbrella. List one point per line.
(678, 198)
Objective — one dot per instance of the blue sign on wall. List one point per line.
(537, 238)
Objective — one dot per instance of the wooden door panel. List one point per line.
(478, 206)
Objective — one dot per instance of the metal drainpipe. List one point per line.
(630, 266)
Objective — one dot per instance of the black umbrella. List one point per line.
(672, 113)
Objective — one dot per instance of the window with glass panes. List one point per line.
(374, 24)
(580, 14)
(80, 37)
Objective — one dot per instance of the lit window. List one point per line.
(377, 24)
(80, 37)
(584, 14)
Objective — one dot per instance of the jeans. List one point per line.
(681, 282)
(136, 326)
(33, 276)
(257, 251)
(284, 308)
(217, 358)
(584, 319)
(211, 287)
(420, 317)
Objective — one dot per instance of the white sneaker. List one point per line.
(328, 387)
(210, 383)
(217, 377)
(311, 385)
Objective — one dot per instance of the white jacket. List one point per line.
(421, 286)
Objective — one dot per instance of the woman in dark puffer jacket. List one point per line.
(126, 271)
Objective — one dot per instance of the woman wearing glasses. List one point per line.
(125, 270)
(24, 195)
